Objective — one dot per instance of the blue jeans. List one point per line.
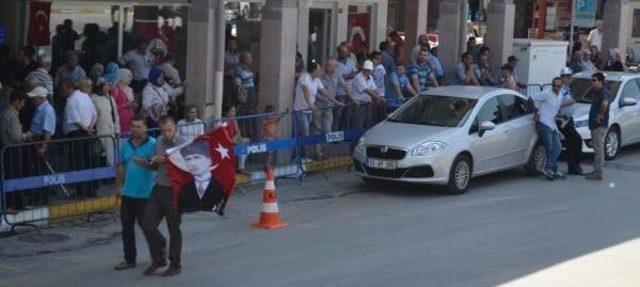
(550, 139)
(303, 122)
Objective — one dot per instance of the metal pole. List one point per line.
(573, 11)
(219, 59)
(120, 30)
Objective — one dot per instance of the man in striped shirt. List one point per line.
(421, 72)
(42, 76)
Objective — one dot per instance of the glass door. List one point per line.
(320, 44)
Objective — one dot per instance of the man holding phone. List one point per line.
(134, 182)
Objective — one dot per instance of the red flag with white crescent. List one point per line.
(202, 172)
(39, 14)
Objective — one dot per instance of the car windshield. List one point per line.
(434, 111)
(580, 86)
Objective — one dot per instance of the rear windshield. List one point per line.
(433, 110)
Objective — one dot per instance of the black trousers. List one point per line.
(131, 210)
(573, 143)
(82, 156)
(159, 206)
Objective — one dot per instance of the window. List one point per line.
(514, 106)
(490, 112)
(435, 110)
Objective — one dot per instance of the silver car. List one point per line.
(624, 112)
(450, 134)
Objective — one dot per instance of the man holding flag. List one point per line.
(196, 175)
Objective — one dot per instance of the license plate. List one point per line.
(381, 164)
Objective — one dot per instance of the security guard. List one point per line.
(573, 141)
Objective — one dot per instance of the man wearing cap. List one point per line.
(512, 62)
(43, 124)
(365, 92)
(565, 122)
(204, 192)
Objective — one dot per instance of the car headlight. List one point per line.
(582, 123)
(428, 148)
(360, 146)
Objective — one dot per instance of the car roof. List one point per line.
(609, 75)
(469, 92)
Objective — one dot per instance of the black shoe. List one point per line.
(173, 269)
(575, 172)
(124, 265)
(154, 267)
(559, 175)
(549, 175)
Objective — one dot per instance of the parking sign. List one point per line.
(584, 13)
(3, 30)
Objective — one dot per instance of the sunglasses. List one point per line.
(594, 80)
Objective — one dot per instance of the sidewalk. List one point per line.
(618, 266)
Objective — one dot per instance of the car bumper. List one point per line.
(428, 170)
(585, 134)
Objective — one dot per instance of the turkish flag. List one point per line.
(202, 172)
(39, 13)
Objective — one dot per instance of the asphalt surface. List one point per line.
(343, 233)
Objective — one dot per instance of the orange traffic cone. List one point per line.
(269, 217)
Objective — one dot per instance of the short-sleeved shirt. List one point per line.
(595, 37)
(361, 83)
(379, 74)
(461, 73)
(243, 78)
(79, 109)
(138, 181)
(437, 66)
(162, 145)
(600, 96)
(401, 81)
(44, 120)
(566, 97)
(423, 71)
(138, 63)
(300, 104)
(332, 84)
(548, 104)
(345, 68)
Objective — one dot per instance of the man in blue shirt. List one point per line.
(134, 182)
(401, 86)
(598, 123)
(421, 72)
(43, 124)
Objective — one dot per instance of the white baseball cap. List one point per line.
(566, 71)
(38, 92)
(368, 65)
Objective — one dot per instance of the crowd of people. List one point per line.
(84, 93)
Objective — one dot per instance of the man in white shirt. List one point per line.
(547, 105)
(595, 36)
(139, 62)
(80, 117)
(364, 93)
(566, 125)
(307, 89)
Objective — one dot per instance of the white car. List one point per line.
(624, 111)
(450, 134)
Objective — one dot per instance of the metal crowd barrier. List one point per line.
(38, 180)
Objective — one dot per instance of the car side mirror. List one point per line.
(485, 126)
(626, 102)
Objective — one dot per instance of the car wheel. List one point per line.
(537, 160)
(612, 144)
(459, 175)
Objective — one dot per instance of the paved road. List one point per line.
(509, 229)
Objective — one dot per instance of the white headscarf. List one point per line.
(122, 72)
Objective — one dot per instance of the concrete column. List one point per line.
(379, 19)
(617, 16)
(201, 53)
(499, 37)
(451, 31)
(277, 53)
(343, 23)
(12, 16)
(415, 23)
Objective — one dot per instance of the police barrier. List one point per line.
(38, 178)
